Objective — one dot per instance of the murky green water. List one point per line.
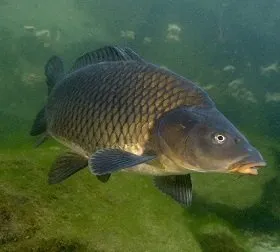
(231, 48)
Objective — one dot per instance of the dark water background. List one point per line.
(230, 48)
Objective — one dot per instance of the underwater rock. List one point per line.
(238, 91)
(128, 34)
(30, 79)
(274, 67)
(43, 33)
(174, 28)
(173, 32)
(46, 36)
(147, 40)
(229, 68)
(208, 87)
(29, 28)
(272, 97)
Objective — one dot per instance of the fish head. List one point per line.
(204, 140)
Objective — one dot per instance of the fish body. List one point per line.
(117, 112)
(116, 105)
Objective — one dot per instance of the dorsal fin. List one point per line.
(133, 55)
(54, 72)
(107, 53)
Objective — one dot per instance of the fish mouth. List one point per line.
(249, 168)
(248, 165)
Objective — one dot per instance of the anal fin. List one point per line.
(39, 125)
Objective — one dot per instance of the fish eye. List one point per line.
(219, 138)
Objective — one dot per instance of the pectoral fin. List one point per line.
(43, 138)
(65, 166)
(178, 187)
(111, 160)
(39, 125)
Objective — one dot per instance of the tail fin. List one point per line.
(54, 72)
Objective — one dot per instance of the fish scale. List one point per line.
(81, 108)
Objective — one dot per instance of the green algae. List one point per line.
(105, 217)
(127, 213)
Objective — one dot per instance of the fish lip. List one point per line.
(248, 167)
